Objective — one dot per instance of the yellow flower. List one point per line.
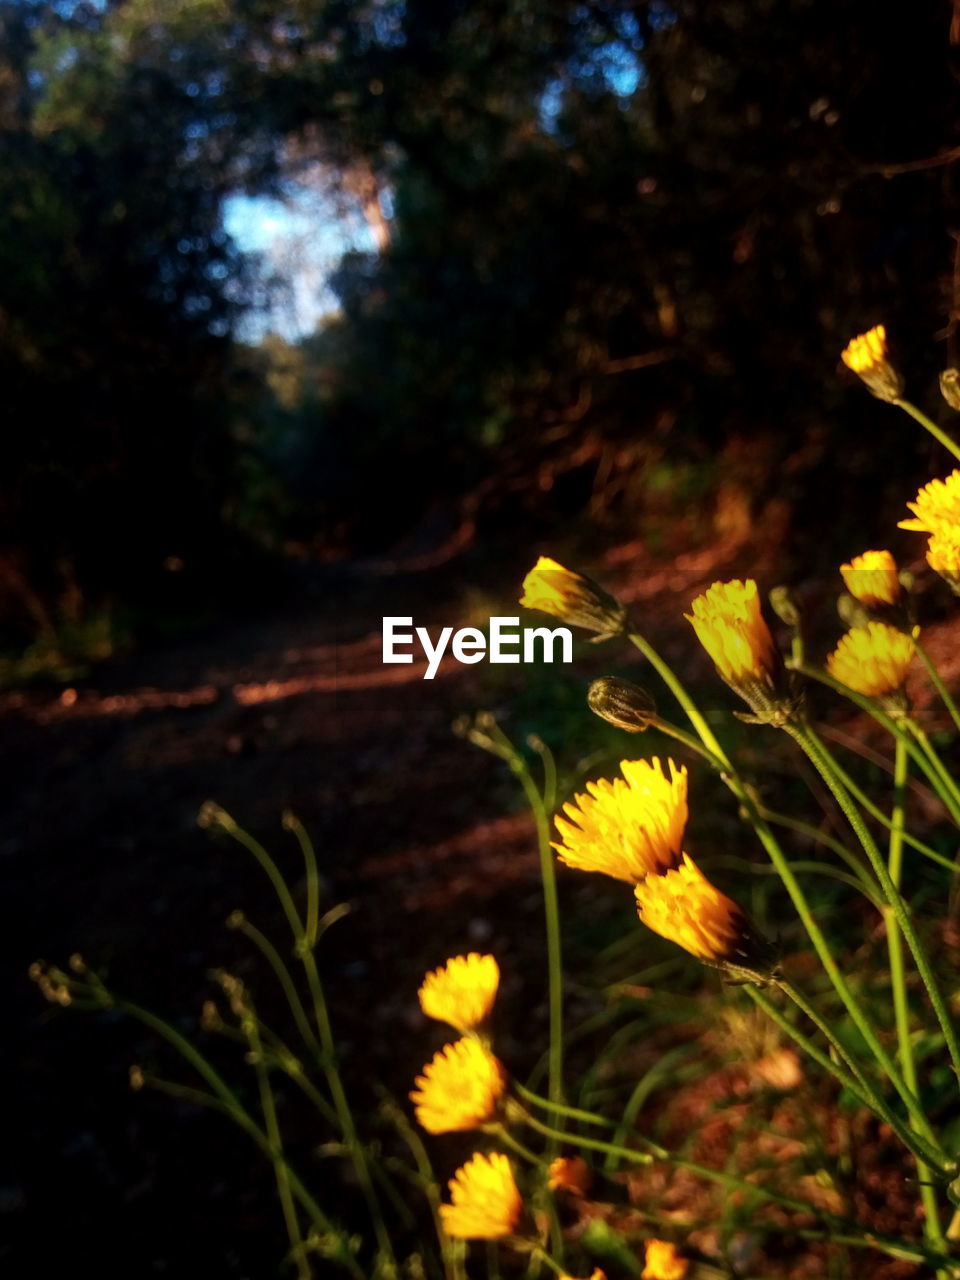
(595, 1274)
(731, 627)
(572, 598)
(684, 906)
(462, 992)
(569, 1173)
(460, 1088)
(629, 828)
(486, 1203)
(867, 356)
(663, 1262)
(937, 506)
(872, 579)
(872, 660)
(943, 556)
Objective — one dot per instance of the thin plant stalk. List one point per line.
(937, 681)
(937, 764)
(535, 800)
(722, 766)
(876, 813)
(779, 860)
(228, 1101)
(932, 1228)
(929, 425)
(275, 1139)
(810, 744)
(845, 1070)
(284, 977)
(328, 1059)
(312, 915)
(896, 731)
(450, 1250)
(690, 708)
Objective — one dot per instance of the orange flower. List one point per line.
(460, 1088)
(569, 1173)
(684, 907)
(872, 579)
(872, 660)
(629, 828)
(867, 356)
(486, 1203)
(572, 598)
(462, 992)
(663, 1262)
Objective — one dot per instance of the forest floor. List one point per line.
(419, 831)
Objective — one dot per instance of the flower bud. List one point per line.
(950, 387)
(868, 358)
(784, 604)
(573, 599)
(622, 703)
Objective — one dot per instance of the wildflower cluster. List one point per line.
(632, 829)
(466, 1087)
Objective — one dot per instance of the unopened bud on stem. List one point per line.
(623, 703)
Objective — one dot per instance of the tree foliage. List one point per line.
(611, 232)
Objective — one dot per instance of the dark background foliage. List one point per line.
(619, 236)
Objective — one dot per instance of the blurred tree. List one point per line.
(119, 290)
(614, 238)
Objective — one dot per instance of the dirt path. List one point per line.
(103, 856)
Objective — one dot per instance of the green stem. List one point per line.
(895, 729)
(777, 857)
(342, 1106)
(450, 1249)
(688, 740)
(928, 424)
(572, 1113)
(924, 1143)
(232, 1106)
(809, 742)
(835, 974)
(928, 1196)
(690, 708)
(275, 1139)
(937, 764)
(778, 819)
(876, 813)
(937, 681)
(292, 823)
(328, 1057)
(283, 975)
(272, 870)
(849, 1076)
(508, 1140)
(551, 913)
